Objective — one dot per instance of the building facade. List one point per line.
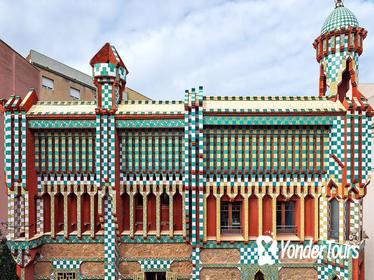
(204, 188)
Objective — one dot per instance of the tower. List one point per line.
(109, 73)
(337, 51)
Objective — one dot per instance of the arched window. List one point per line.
(334, 219)
(259, 276)
(164, 214)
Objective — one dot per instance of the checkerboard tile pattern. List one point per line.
(249, 254)
(324, 214)
(155, 264)
(8, 147)
(106, 95)
(104, 69)
(328, 268)
(66, 264)
(367, 148)
(335, 63)
(356, 219)
(11, 214)
(200, 163)
(196, 264)
(340, 17)
(336, 147)
(110, 254)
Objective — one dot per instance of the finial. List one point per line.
(339, 3)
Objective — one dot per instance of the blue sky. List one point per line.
(258, 47)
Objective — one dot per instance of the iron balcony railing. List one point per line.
(231, 229)
(287, 229)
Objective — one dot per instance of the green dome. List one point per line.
(340, 17)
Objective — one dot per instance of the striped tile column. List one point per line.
(186, 178)
(200, 159)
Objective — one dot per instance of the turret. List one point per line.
(338, 49)
(109, 74)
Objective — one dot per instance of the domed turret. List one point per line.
(338, 49)
(340, 17)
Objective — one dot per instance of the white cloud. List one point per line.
(229, 47)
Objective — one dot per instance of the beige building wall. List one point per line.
(64, 78)
(62, 86)
(134, 95)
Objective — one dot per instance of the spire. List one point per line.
(339, 3)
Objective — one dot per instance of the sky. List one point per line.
(253, 47)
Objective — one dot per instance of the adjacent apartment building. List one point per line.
(204, 188)
(60, 82)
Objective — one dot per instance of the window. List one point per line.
(47, 83)
(230, 217)
(334, 219)
(286, 217)
(75, 93)
(66, 276)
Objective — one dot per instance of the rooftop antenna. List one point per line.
(339, 3)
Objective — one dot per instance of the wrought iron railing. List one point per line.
(287, 229)
(231, 229)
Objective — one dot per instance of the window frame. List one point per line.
(287, 225)
(72, 95)
(45, 85)
(228, 225)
